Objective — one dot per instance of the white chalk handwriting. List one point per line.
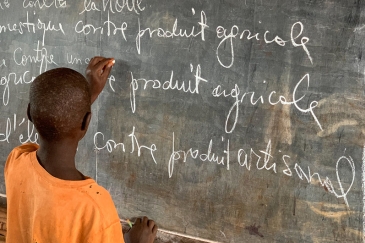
(111, 28)
(174, 32)
(41, 56)
(13, 78)
(227, 38)
(111, 80)
(238, 95)
(32, 27)
(44, 4)
(4, 137)
(73, 60)
(209, 156)
(264, 160)
(114, 6)
(110, 145)
(31, 136)
(327, 182)
(171, 84)
(215, 153)
(5, 4)
(12, 124)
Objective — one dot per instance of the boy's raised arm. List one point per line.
(97, 73)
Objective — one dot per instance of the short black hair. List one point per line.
(59, 100)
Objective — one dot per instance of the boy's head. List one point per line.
(59, 104)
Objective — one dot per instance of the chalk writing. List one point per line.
(239, 96)
(114, 6)
(227, 39)
(89, 6)
(170, 84)
(24, 78)
(209, 156)
(48, 27)
(174, 32)
(4, 137)
(111, 28)
(111, 80)
(13, 124)
(192, 62)
(5, 4)
(131, 5)
(41, 57)
(263, 160)
(73, 60)
(44, 4)
(31, 136)
(111, 145)
(32, 27)
(327, 182)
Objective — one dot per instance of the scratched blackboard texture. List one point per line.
(228, 120)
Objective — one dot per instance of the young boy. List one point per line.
(48, 199)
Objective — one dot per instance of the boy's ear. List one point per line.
(28, 113)
(86, 121)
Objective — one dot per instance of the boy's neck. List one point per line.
(58, 159)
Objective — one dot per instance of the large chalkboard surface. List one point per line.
(228, 120)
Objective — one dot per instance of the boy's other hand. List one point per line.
(97, 73)
(144, 230)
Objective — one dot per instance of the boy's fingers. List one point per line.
(92, 63)
(103, 62)
(145, 220)
(150, 224)
(104, 66)
(105, 73)
(95, 60)
(154, 230)
(138, 221)
(107, 69)
(98, 64)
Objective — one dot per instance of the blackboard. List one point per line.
(227, 120)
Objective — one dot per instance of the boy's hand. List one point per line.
(144, 230)
(97, 73)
